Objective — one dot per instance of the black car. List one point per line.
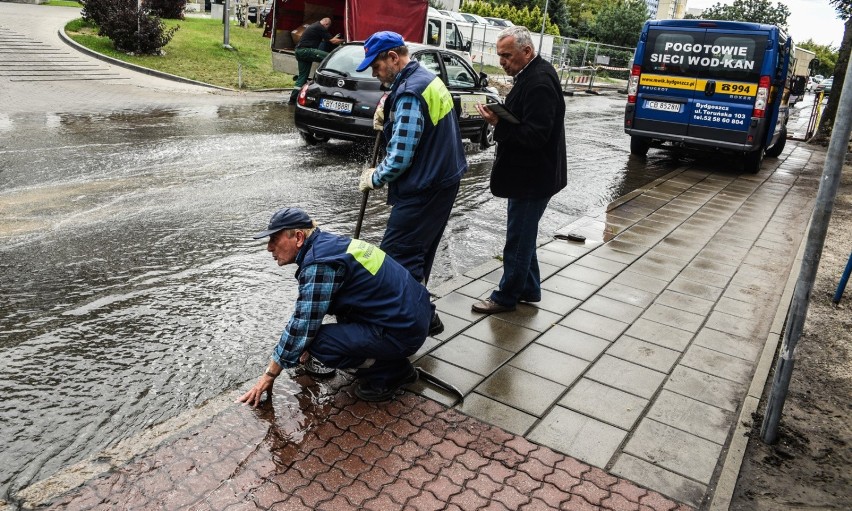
(340, 102)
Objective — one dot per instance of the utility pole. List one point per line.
(813, 251)
(227, 21)
(543, 25)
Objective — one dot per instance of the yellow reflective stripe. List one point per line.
(671, 82)
(438, 99)
(677, 82)
(370, 256)
(732, 88)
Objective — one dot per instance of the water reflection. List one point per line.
(131, 290)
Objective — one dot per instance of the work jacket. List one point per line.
(375, 290)
(439, 160)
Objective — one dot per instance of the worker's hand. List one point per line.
(366, 181)
(254, 396)
(379, 117)
(489, 116)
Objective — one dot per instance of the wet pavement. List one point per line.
(649, 348)
(627, 387)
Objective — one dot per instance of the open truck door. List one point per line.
(356, 20)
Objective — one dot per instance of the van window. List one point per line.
(434, 33)
(455, 41)
(736, 57)
(661, 55)
(714, 55)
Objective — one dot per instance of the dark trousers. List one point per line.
(521, 278)
(415, 228)
(381, 356)
(305, 57)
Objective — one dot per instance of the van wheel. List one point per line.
(486, 137)
(639, 146)
(752, 161)
(775, 150)
(312, 139)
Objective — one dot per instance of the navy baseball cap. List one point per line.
(377, 43)
(286, 218)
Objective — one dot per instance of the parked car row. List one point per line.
(818, 83)
(824, 86)
(465, 17)
(340, 102)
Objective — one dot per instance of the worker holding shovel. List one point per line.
(425, 156)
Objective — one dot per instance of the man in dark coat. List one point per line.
(530, 164)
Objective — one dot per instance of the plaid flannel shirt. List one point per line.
(408, 125)
(318, 284)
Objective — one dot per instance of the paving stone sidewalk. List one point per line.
(621, 389)
(642, 351)
(412, 453)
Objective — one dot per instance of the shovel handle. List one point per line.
(373, 164)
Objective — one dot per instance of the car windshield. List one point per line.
(344, 60)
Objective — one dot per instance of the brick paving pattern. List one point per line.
(411, 453)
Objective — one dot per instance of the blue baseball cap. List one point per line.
(377, 43)
(286, 218)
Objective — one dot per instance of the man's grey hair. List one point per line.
(521, 34)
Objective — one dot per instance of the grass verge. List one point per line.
(196, 52)
(64, 3)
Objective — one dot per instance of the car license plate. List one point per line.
(662, 106)
(336, 106)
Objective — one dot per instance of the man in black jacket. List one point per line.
(530, 165)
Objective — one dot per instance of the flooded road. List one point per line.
(130, 288)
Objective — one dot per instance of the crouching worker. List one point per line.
(382, 313)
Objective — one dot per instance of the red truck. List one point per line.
(356, 20)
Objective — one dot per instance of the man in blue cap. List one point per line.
(425, 156)
(382, 313)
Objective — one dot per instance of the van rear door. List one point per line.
(698, 85)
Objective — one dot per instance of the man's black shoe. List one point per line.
(435, 327)
(368, 392)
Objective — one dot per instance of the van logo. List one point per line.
(341, 83)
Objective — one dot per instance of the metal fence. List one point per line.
(580, 63)
(584, 64)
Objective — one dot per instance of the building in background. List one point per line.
(652, 8)
(668, 9)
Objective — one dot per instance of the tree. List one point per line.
(129, 28)
(581, 16)
(826, 123)
(530, 18)
(826, 55)
(170, 9)
(755, 11)
(620, 22)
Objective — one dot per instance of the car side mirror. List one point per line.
(467, 46)
(483, 79)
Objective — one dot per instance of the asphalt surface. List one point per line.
(627, 387)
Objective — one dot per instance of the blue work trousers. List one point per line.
(521, 278)
(381, 356)
(415, 228)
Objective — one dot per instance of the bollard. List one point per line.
(843, 280)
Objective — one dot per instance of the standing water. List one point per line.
(130, 288)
